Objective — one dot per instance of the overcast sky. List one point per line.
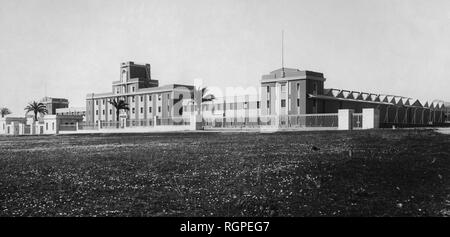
(71, 48)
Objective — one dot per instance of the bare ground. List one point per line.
(338, 173)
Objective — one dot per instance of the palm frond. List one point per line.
(36, 108)
(119, 104)
(202, 93)
(5, 111)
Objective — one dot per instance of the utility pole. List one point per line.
(282, 53)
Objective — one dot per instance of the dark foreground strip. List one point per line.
(223, 226)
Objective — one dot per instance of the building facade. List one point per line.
(79, 111)
(146, 99)
(46, 124)
(286, 93)
(52, 104)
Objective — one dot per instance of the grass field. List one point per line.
(352, 173)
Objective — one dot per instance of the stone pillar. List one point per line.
(370, 118)
(33, 128)
(14, 128)
(275, 121)
(196, 122)
(21, 129)
(345, 117)
(277, 99)
(57, 123)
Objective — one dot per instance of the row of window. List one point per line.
(133, 110)
(133, 99)
(283, 88)
(283, 103)
(53, 126)
(118, 90)
(229, 106)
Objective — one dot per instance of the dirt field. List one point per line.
(340, 173)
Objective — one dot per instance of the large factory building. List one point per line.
(285, 93)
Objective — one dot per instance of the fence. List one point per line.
(357, 120)
(287, 121)
(139, 123)
(311, 120)
(110, 124)
(172, 121)
(67, 127)
(237, 122)
(128, 123)
(87, 126)
(27, 129)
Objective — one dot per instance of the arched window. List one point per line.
(124, 75)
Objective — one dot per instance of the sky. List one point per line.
(63, 48)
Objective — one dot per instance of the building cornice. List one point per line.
(285, 79)
(139, 92)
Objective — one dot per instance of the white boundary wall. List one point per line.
(345, 117)
(370, 118)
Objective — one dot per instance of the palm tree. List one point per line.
(119, 105)
(5, 111)
(200, 95)
(36, 108)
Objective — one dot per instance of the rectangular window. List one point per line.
(168, 96)
(149, 97)
(149, 109)
(103, 112)
(142, 110)
(298, 102)
(132, 99)
(53, 126)
(268, 89)
(96, 112)
(96, 102)
(298, 86)
(110, 111)
(103, 102)
(46, 126)
(133, 111)
(159, 96)
(132, 89)
(142, 98)
(257, 104)
(283, 103)
(159, 109)
(268, 104)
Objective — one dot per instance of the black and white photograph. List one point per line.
(224, 116)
